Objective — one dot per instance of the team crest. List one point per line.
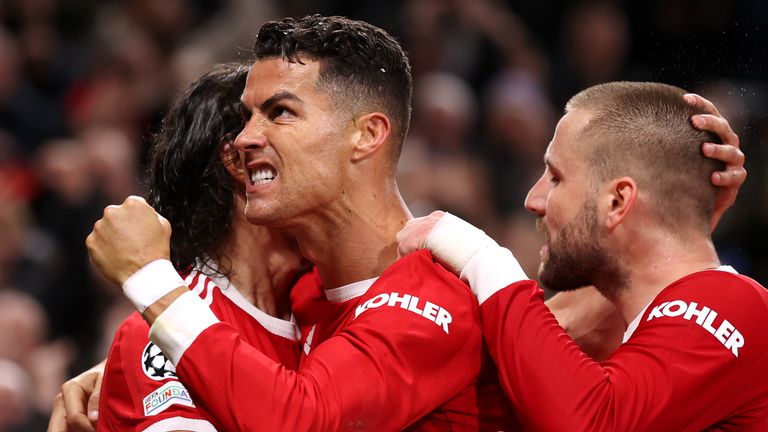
(155, 365)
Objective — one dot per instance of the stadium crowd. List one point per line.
(83, 84)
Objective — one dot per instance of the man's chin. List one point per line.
(560, 282)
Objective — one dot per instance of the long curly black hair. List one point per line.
(187, 182)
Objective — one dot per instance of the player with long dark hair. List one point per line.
(194, 181)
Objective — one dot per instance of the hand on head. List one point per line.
(734, 175)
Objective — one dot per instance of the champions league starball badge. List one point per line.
(155, 364)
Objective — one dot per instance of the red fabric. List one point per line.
(673, 374)
(125, 384)
(383, 370)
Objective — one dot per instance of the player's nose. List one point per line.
(251, 137)
(536, 200)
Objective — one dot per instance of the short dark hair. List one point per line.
(643, 130)
(187, 180)
(358, 61)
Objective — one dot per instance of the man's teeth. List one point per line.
(262, 176)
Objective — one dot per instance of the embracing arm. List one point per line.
(386, 369)
(590, 320)
(660, 380)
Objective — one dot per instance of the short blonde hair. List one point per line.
(643, 130)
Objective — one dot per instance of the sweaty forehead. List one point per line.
(568, 145)
(271, 76)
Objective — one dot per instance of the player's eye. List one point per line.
(279, 111)
(245, 112)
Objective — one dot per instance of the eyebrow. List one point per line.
(548, 163)
(277, 98)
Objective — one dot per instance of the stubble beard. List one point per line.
(576, 259)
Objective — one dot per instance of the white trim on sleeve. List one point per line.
(180, 324)
(490, 270)
(151, 282)
(181, 423)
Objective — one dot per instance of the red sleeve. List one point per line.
(140, 387)
(673, 374)
(387, 368)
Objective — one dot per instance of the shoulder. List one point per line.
(420, 269)
(727, 309)
(133, 329)
(419, 275)
(418, 289)
(133, 351)
(729, 291)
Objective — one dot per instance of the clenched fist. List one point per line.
(128, 237)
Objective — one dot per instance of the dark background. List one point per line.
(83, 84)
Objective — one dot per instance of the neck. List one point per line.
(656, 263)
(263, 265)
(353, 238)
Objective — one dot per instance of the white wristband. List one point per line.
(180, 324)
(490, 270)
(150, 283)
(454, 242)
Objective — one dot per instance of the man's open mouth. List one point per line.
(262, 175)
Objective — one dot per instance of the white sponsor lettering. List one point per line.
(426, 309)
(726, 333)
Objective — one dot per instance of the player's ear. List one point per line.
(373, 130)
(231, 159)
(618, 201)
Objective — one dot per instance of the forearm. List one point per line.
(227, 377)
(154, 310)
(590, 320)
(242, 389)
(341, 383)
(540, 367)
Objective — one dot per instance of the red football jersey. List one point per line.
(403, 350)
(698, 360)
(140, 390)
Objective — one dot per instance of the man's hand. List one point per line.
(452, 241)
(734, 175)
(413, 235)
(75, 409)
(128, 237)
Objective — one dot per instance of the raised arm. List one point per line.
(733, 176)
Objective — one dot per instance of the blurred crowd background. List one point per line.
(83, 84)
